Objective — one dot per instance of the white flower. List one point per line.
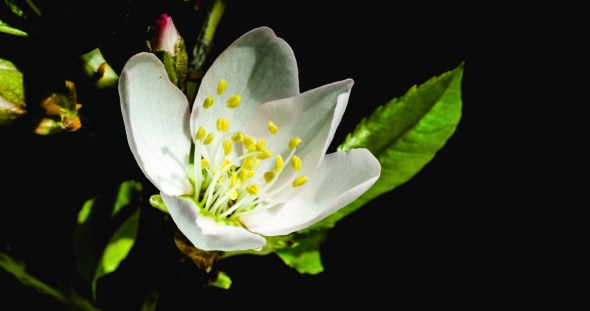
(260, 166)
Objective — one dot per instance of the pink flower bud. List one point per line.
(164, 35)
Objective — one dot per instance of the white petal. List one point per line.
(259, 67)
(156, 116)
(312, 116)
(204, 232)
(342, 177)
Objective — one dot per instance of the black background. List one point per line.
(427, 242)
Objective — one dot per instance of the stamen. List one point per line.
(260, 145)
(234, 179)
(238, 137)
(272, 128)
(208, 102)
(234, 195)
(264, 155)
(204, 163)
(221, 86)
(248, 163)
(250, 174)
(252, 189)
(299, 181)
(279, 165)
(222, 124)
(234, 101)
(294, 142)
(201, 133)
(268, 176)
(209, 139)
(248, 140)
(227, 147)
(296, 163)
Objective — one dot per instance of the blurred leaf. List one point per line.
(106, 231)
(18, 269)
(404, 135)
(305, 255)
(5, 28)
(12, 94)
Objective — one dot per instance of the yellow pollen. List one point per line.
(209, 139)
(234, 101)
(234, 195)
(221, 86)
(248, 140)
(204, 163)
(252, 189)
(260, 145)
(279, 165)
(233, 167)
(227, 146)
(225, 163)
(257, 163)
(296, 163)
(201, 133)
(264, 155)
(268, 176)
(238, 137)
(222, 124)
(294, 142)
(242, 175)
(251, 174)
(220, 179)
(248, 163)
(234, 179)
(208, 102)
(272, 128)
(299, 181)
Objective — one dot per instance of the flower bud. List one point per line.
(60, 113)
(169, 46)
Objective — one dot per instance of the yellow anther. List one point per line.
(208, 102)
(201, 133)
(248, 163)
(242, 175)
(234, 101)
(204, 163)
(227, 146)
(260, 145)
(220, 179)
(209, 139)
(252, 189)
(272, 128)
(268, 176)
(233, 167)
(222, 124)
(238, 137)
(294, 142)
(234, 195)
(248, 140)
(221, 86)
(299, 181)
(234, 179)
(257, 162)
(296, 163)
(251, 174)
(279, 165)
(225, 163)
(252, 147)
(265, 154)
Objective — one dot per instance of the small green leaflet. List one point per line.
(106, 231)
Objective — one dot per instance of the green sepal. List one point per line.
(176, 65)
(404, 135)
(304, 256)
(157, 202)
(223, 281)
(12, 94)
(106, 231)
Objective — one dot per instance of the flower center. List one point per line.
(229, 188)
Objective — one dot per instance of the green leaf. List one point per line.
(404, 135)
(157, 202)
(305, 255)
(12, 93)
(106, 230)
(117, 248)
(5, 28)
